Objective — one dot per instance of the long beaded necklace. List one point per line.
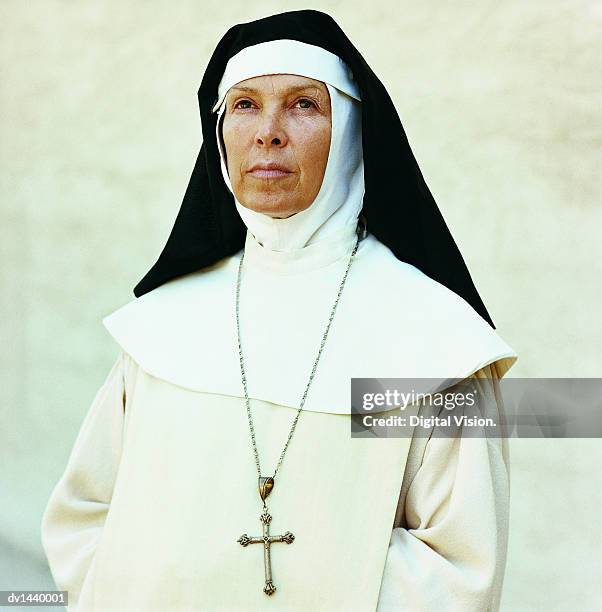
(266, 483)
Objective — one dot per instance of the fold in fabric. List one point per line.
(449, 544)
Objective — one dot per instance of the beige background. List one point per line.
(100, 130)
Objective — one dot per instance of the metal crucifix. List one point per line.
(267, 541)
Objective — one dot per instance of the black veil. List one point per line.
(406, 219)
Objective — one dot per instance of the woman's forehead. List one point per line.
(279, 83)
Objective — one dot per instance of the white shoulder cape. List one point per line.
(392, 321)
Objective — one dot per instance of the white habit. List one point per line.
(162, 482)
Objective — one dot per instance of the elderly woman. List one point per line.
(308, 250)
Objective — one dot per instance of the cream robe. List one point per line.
(161, 482)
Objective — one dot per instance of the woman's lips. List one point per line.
(269, 170)
(264, 173)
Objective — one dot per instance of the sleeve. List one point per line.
(75, 514)
(450, 552)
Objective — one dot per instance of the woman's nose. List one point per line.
(270, 132)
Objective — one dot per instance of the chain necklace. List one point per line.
(266, 484)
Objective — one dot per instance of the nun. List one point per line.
(215, 469)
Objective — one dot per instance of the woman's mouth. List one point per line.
(269, 170)
(261, 173)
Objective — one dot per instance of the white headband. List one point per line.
(287, 57)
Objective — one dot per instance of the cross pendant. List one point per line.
(267, 541)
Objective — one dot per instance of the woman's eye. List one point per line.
(246, 104)
(305, 100)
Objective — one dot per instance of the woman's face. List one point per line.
(276, 133)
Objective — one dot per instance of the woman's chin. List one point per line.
(276, 210)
